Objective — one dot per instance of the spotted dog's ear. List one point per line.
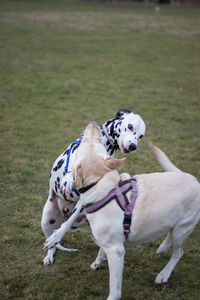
(78, 177)
(123, 111)
(114, 163)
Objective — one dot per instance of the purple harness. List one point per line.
(119, 194)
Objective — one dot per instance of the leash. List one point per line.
(119, 195)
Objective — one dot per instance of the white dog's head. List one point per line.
(92, 160)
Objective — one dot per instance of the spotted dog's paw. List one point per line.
(49, 258)
(95, 266)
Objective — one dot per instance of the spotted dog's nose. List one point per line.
(132, 147)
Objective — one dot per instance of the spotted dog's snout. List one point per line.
(132, 147)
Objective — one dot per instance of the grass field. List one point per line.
(63, 64)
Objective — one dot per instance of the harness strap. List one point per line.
(129, 209)
(119, 194)
(77, 142)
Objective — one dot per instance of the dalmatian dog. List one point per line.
(122, 132)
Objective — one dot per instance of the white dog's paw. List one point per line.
(95, 266)
(66, 184)
(162, 277)
(54, 239)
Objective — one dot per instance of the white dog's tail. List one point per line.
(163, 160)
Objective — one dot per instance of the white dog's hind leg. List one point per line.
(164, 275)
(115, 256)
(166, 244)
(178, 235)
(101, 256)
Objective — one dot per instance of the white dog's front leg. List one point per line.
(99, 259)
(115, 256)
(58, 234)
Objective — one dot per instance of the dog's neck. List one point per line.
(109, 136)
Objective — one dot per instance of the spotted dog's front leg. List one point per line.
(58, 234)
(99, 259)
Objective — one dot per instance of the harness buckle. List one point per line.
(127, 224)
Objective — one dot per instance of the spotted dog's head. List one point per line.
(126, 130)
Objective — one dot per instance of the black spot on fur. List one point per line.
(112, 151)
(50, 175)
(66, 152)
(58, 179)
(108, 122)
(112, 129)
(122, 111)
(71, 195)
(118, 123)
(109, 148)
(52, 221)
(59, 165)
(75, 147)
(56, 189)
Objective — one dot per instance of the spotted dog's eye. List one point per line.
(141, 136)
(130, 126)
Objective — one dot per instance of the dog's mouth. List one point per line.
(131, 148)
(126, 150)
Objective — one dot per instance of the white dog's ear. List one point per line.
(78, 177)
(114, 163)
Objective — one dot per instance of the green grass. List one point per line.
(63, 64)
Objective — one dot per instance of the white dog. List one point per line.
(166, 202)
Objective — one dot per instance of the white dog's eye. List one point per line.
(130, 126)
